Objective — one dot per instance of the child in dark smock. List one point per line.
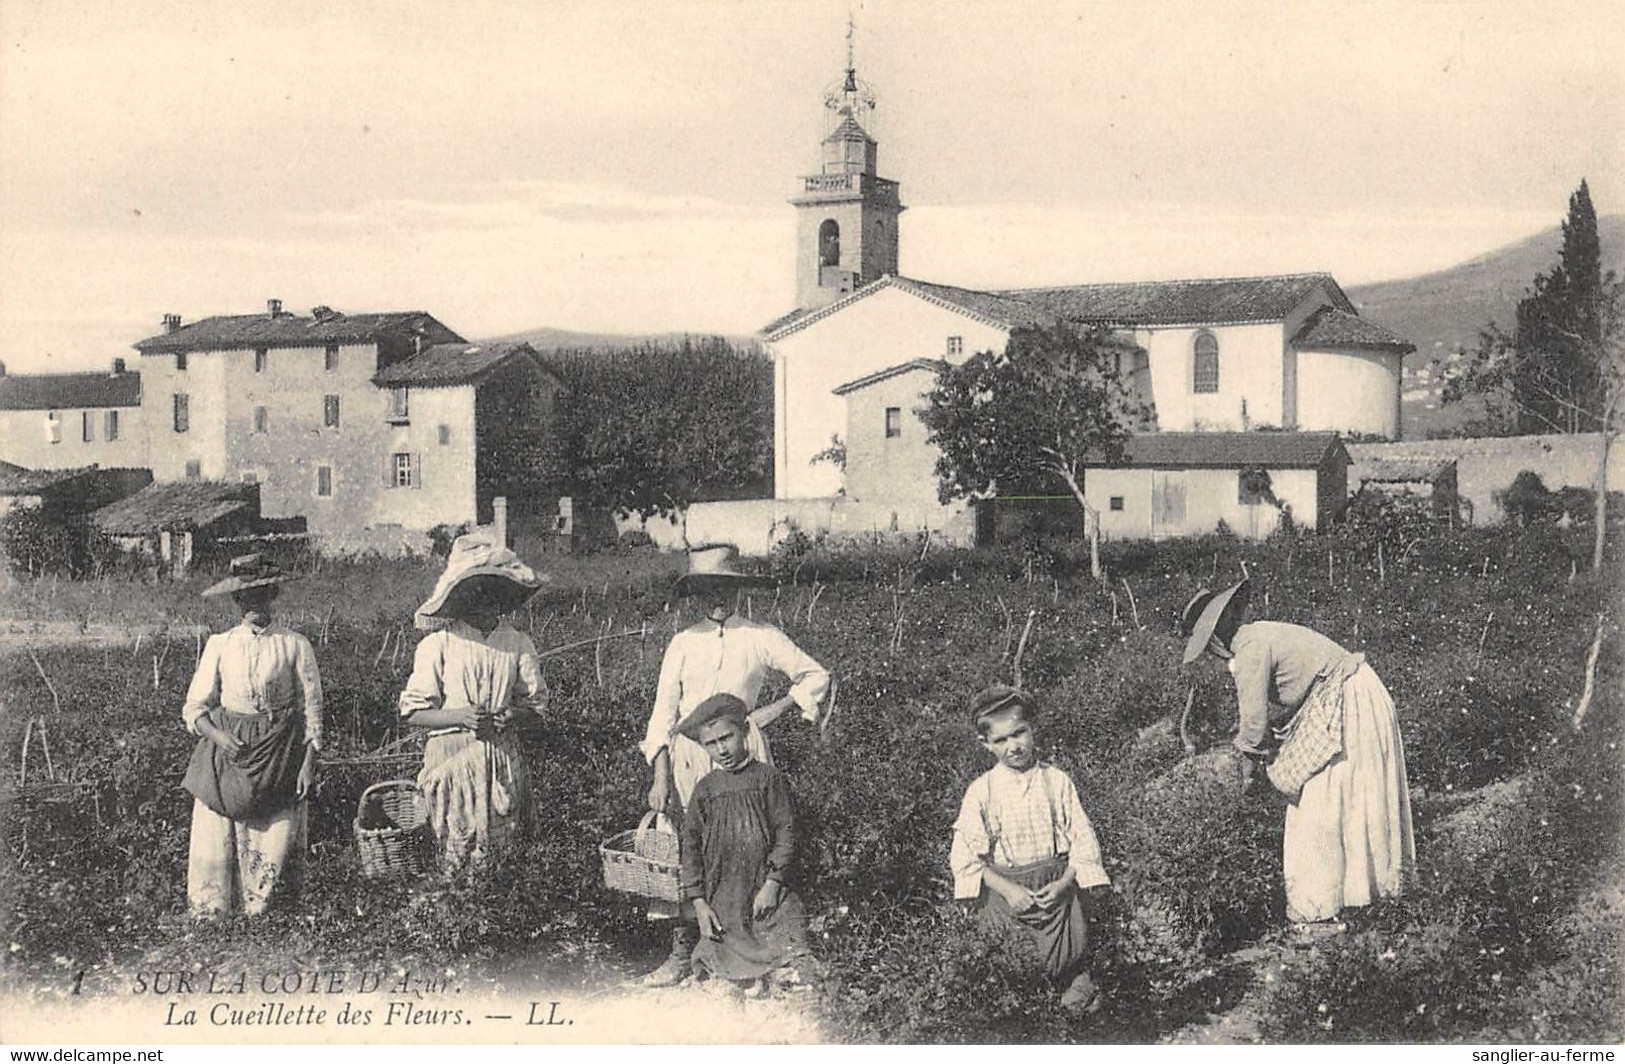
(738, 842)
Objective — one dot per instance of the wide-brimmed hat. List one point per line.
(478, 570)
(997, 699)
(720, 706)
(1204, 612)
(716, 566)
(248, 571)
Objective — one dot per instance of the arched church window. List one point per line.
(829, 243)
(1205, 364)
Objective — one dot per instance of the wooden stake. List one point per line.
(1009, 628)
(1185, 722)
(28, 738)
(1485, 634)
(1382, 571)
(1114, 607)
(1132, 605)
(56, 703)
(1591, 677)
(45, 744)
(1021, 647)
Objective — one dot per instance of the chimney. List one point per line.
(172, 323)
(322, 313)
(273, 308)
(118, 366)
(2, 369)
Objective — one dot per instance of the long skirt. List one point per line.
(244, 864)
(689, 765)
(1349, 838)
(478, 794)
(1059, 934)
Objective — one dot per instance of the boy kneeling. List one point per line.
(1023, 849)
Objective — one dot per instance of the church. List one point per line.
(1220, 359)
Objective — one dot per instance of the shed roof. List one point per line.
(1232, 450)
(1330, 327)
(180, 505)
(237, 331)
(68, 391)
(927, 364)
(1224, 300)
(455, 363)
(19, 480)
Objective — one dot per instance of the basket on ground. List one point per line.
(642, 861)
(392, 830)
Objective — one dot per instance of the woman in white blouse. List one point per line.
(255, 701)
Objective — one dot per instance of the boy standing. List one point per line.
(1023, 848)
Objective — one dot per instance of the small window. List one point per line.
(262, 419)
(259, 359)
(194, 468)
(445, 434)
(1116, 502)
(330, 411)
(330, 358)
(53, 427)
(405, 471)
(87, 425)
(324, 481)
(248, 476)
(1205, 364)
(956, 346)
(894, 422)
(111, 425)
(399, 404)
(183, 412)
(180, 361)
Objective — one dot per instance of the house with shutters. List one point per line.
(373, 427)
(1267, 355)
(73, 420)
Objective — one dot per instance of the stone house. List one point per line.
(72, 420)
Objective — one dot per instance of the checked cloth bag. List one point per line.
(1313, 738)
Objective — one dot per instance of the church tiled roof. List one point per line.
(1219, 301)
(239, 331)
(1329, 327)
(913, 364)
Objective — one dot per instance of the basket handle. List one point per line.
(648, 820)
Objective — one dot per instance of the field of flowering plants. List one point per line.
(1511, 930)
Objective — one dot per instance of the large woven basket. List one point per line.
(642, 861)
(392, 830)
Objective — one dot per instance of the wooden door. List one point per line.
(1167, 503)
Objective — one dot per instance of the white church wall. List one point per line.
(1250, 370)
(884, 329)
(1349, 391)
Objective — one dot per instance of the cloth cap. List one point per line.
(248, 571)
(478, 570)
(722, 706)
(1204, 612)
(997, 699)
(715, 566)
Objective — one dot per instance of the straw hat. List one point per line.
(478, 570)
(248, 571)
(1204, 612)
(714, 566)
(720, 706)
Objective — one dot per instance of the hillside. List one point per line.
(546, 339)
(1443, 312)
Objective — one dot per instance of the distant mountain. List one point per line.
(545, 339)
(1443, 312)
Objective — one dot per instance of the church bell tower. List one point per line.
(846, 215)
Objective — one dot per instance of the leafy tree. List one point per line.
(1562, 369)
(1033, 417)
(649, 430)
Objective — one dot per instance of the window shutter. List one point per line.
(389, 471)
(417, 470)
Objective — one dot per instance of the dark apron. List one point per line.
(1061, 933)
(262, 778)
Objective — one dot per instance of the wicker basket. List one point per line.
(642, 861)
(392, 830)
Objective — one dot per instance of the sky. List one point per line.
(624, 167)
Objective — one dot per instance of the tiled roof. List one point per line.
(1219, 301)
(182, 504)
(1401, 470)
(238, 331)
(888, 373)
(849, 130)
(1232, 450)
(17, 480)
(1330, 327)
(68, 391)
(445, 364)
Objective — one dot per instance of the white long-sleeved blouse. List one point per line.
(250, 670)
